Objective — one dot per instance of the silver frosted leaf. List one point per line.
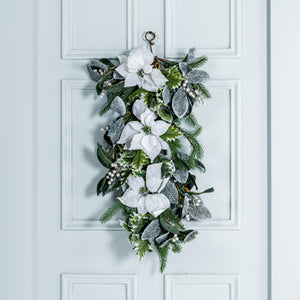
(165, 242)
(199, 212)
(171, 192)
(191, 54)
(166, 95)
(180, 103)
(116, 75)
(118, 106)
(115, 130)
(181, 176)
(190, 235)
(95, 76)
(162, 238)
(184, 68)
(151, 231)
(98, 64)
(197, 76)
(186, 206)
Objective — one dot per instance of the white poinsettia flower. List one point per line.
(144, 135)
(137, 69)
(151, 201)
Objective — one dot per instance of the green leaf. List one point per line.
(140, 159)
(174, 77)
(138, 93)
(166, 225)
(171, 134)
(103, 158)
(111, 211)
(165, 113)
(107, 62)
(100, 186)
(210, 190)
(116, 88)
(198, 62)
(126, 93)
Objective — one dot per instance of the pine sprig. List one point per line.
(163, 255)
(204, 91)
(111, 212)
(198, 62)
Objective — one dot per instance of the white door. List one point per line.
(77, 258)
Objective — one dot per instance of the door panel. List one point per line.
(75, 256)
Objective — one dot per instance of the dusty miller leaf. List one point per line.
(152, 230)
(181, 176)
(115, 130)
(197, 76)
(166, 95)
(190, 236)
(184, 68)
(199, 212)
(118, 106)
(180, 103)
(171, 192)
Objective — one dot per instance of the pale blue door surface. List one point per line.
(73, 256)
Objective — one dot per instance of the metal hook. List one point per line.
(150, 40)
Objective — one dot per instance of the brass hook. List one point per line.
(150, 40)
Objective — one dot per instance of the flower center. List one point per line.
(143, 191)
(141, 72)
(146, 129)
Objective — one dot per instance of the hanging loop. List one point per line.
(150, 37)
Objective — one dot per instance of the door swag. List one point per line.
(142, 149)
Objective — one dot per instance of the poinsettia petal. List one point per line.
(156, 204)
(135, 62)
(164, 145)
(147, 69)
(130, 198)
(163, 184)
(153, 177)
(147, 55)
(148, 84)
(158, 78)
(151, 146)
(136, 125)
(122, 58)
(131, 79)
(148, 117)
(127, 133)
(159, 127)
(122, 70)
(141, 206)
(135, 143)
(135, 183)
(138, 108)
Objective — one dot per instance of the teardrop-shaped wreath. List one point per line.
(142, 148)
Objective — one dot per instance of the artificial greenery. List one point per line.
(172, 103)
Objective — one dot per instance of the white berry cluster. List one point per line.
(111, 175)
(99, 71)
(175, 238)
(104, 129)
(196, 200)
(194, 94)
(187, 216)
